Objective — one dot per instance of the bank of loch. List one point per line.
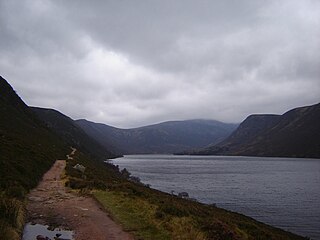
(151, 214)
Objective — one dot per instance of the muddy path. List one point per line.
(51, 203)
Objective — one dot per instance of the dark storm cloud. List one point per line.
(130, 63)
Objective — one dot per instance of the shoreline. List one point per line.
(144, 165)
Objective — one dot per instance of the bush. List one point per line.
(12, 210)
(16, 192)
(7, 232)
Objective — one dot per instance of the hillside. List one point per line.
(167, 137)
(25, 141)
(293, 134)
(71, 133)
(27, 150)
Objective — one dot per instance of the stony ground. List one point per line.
(53, 204)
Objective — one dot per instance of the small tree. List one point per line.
(125, 173)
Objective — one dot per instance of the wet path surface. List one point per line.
(51, 203)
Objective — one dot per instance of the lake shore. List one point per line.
(282, 192)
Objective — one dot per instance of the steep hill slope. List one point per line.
(293, 134)
(167, 137)
(27, 150)
(25, 142)
(71, 133)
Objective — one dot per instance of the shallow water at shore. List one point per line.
(31, 231)
(283, 192)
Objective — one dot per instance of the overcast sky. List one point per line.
(130, 63)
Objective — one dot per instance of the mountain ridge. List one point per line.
(165, 137)
(296, 133)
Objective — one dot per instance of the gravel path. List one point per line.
(51, 203)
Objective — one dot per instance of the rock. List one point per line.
(183, 195)
(80, 168)
(40, 237)
(35, 199)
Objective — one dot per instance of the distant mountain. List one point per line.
(293, 134)
(71, 133)
(167, 137)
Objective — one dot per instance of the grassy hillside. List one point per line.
(27, 150)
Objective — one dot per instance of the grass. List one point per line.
(151, 214)
(135, 214)
(145, 220)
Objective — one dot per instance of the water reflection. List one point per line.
(45, 232)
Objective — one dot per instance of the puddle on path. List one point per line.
(36, 231)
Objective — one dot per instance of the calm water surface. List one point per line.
(283, 192)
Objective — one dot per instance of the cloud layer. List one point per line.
(131, 63)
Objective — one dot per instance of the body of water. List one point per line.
(39, 231)
(283, 192)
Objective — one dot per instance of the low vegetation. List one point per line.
(27, 151)
(23, 160)
(151, 214)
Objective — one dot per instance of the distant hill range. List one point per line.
(293, 134)
(166, 137)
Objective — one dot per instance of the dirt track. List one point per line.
(53, 204)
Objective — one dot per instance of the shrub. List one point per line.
(16, 192)
(12, 210)
(7, 232)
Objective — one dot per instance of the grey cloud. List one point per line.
(149, 31)
(130, 63)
